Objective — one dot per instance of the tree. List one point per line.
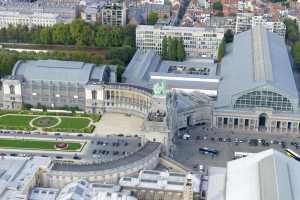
(292, 32)
(296, 53)
(164, 49)
(45, 36)
(61, 34)
(218, 6)
(172, 51)
(221, 51)
(228, 36)
(180, 50)
(152, 18)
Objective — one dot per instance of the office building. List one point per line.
(246, 21)
(198, 42)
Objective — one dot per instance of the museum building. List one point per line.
(258, 90)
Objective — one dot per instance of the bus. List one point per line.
(206, 150)
(292, 154)
(238, 154)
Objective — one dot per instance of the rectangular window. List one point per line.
(225, 120)
(236, 121)
(278, 124)
(246, 122)
(289, 125)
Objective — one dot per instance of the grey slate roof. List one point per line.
(257, 58)
(138, 70)
(58, 71)
(147, 149)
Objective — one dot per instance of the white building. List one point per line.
(198, 42)
(268, 175)
(18, 175)
(28, 19)
(83, 190)
(165, 185)
(114, 14)
(246, 21)
(153, 1)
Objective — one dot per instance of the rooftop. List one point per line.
(170, 181)
(257, 58)
(58, 71)
(147, 149)
(269, 174)
(17, 174)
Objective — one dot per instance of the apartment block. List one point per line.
(198, 42)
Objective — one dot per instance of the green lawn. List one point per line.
(16, 120)
(36, 144)
(45, 121)
(73, 123)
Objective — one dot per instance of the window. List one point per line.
(266, 99)
(225, 120)
(94, 94)
(12, 89)
(236, 121)
(278, 124)
(246, 122)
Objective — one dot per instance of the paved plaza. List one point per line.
(115, 124)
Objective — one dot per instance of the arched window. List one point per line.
(12, 89)
(94, 94)
(266, 99)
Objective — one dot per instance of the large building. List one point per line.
(262, 176)
(246, 21)
(18, 175)
(258, 90)
(114, 14)
(153, 184)
(253, 89)
(198, 42)
(39, 13)
(28, 19)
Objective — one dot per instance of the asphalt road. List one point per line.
(187, 151)
(99, 149)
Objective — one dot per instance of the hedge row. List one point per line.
(89, 129)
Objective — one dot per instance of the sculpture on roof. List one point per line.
(160, 89)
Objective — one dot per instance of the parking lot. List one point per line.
(112, 148)
(226, 143)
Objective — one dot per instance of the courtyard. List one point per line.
(116, 123)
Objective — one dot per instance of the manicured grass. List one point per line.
(36, 144)
(16, 120)
(73, 123)
(45, 121)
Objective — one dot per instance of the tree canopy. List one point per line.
(152, 18)
(292, 32)
(228, 36)
(77, 33)
(218, 6)
(173, 49)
